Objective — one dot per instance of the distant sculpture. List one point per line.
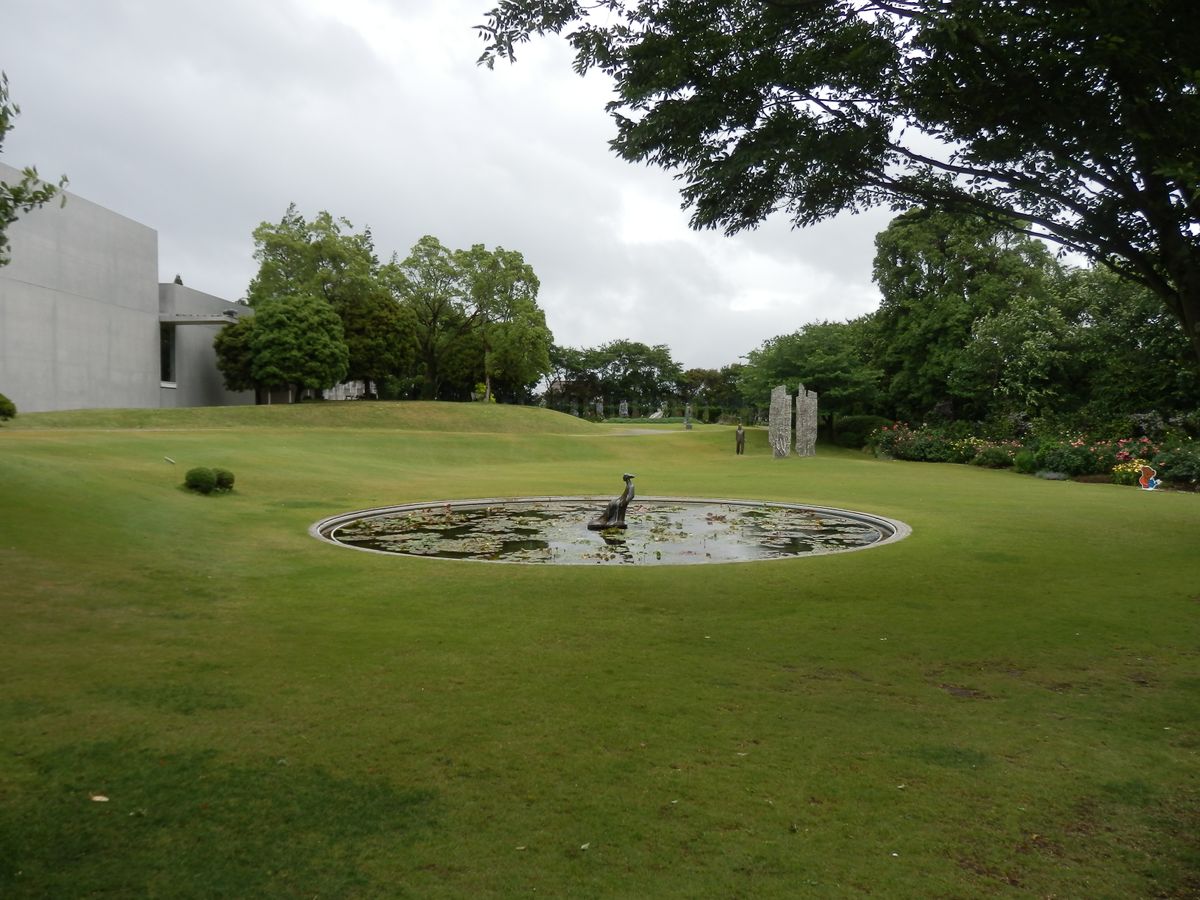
(614, 515)
(739, 439)
(687, 417)
(623, 409)
(178, 279)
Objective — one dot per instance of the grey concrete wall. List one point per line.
(198, 381)
(79, 309)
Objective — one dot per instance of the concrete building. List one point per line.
(84, 323)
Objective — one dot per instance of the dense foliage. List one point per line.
(8, 409)
(827, 357)
(206, 480)
(978, 327)
(434, 326)
(296, 342)
(200, 479)
(1071, 121)
(646, 378)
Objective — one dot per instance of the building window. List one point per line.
(166, 335)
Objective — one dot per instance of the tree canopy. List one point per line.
(30, 192)
(645, 376)
(429, 282)
(1075, 121)
(937, 274)
(475, 315)
(296, 342)
(327, 259)
(827, 357)
(502, 290)
(436, 324)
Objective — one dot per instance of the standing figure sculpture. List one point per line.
(739, 440)
(614, 514)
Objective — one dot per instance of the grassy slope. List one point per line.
(1003, 704)
(484, 419)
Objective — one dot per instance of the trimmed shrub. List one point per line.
(224, 479)
(201, 479)
(854, 431)
(992, 456)
(1071, 458)
(8, 409)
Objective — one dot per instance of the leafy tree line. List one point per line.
(977, 322)
(645, 377)
(439, 324)
(981, 323)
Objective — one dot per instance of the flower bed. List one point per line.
(1117, 459)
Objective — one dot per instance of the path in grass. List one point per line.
(1002, 704)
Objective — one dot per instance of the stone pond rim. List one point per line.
(888, 530)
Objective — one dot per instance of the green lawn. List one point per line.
(1004, 704)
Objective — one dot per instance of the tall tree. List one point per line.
(1077, 121)
(296, 342)
(573, 380)
(234, 346)
(326, 258)
(695, 385)
(517, 349)
(631, 370)
(827, 357)
(30, 192)
(502, 289)
(430, 284)
(937, 273)
(726, 392)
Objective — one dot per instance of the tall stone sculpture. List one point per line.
(623, 409)
(806, 423)
(599, 409)
(779, 425)
(687, 417)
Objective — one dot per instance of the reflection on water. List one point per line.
(658, 533)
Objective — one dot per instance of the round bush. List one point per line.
(992, 457)
(224, 479)
(201, 479)
(8, 409)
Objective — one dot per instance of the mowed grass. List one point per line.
(1003, 704)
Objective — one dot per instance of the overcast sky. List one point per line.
(203, 119)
